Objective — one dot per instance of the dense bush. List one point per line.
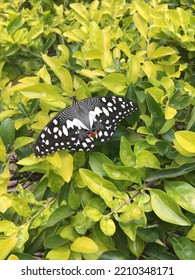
(132, 197)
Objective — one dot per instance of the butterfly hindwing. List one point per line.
(75, 127)
(114, 109)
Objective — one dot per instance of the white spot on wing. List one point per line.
(37, 147)
(92, 115)
(55, 122)
(105, 111)
(75, 122)
(65, 130)
(84, 145)
(55, 129)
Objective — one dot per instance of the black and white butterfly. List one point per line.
(75, 127)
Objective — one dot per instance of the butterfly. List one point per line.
(77, 126)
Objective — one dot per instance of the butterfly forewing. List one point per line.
(76, 127)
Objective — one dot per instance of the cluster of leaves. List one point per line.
(132, 197)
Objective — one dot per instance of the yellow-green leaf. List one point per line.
(6, 114)
(62, 73)
(147, 159)
(61, 253)
(133, 70)
(186, 139)
(2, 151)
(5, 202)
(21, 207)
(149, 68)
(4, 180)
(19, 123)
(46, 92)
(114, 82)
(107, 226)
(143, 9)
(7, 227)
(30, 160)
(6, 245)
(167, 209)
(66, 169)
(80, 9)
(161, 52)
(169, 112)
(55, 160)
(84, 245)
(141, 25)
(122, 172)
(96, 183)
(156, 93)
(22, 141)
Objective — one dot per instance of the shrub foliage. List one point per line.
(132, 197)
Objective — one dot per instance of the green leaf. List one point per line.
(148, 234)
(115, 82)
(54, 241)
(130, 228)
(7, 131)
(113, 255)
(15, 24)
(96, 183)
(147, 159)
(96, 161)
(122, 173)
(171, 172)
(183, 193)
(158, 252)
(137, 246)
(74, 201)
(183, 247)
(59, 214)
(126, 154)
(167, 209)
(191, 233)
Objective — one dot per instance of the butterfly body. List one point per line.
(76, 127)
